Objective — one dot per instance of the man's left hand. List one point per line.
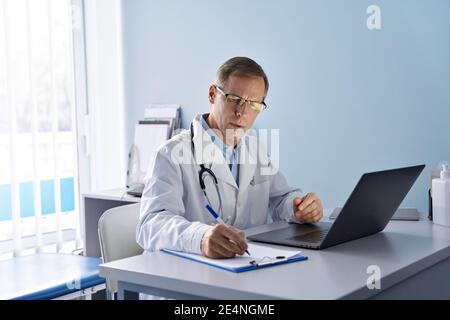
(308, 209)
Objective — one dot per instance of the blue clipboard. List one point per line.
(250, 265)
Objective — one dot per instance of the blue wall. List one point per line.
(347, 100)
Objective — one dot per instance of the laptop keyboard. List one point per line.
(315, 236)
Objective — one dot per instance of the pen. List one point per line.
(217, 218)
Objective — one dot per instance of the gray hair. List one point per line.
(240, 66)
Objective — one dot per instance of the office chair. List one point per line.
(117, 236)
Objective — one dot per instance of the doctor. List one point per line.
(240, 182)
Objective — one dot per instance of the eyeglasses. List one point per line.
(237, 101)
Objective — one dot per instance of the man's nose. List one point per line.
(240, 109)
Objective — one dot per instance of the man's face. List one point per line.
(226, 114)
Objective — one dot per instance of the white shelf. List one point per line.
(118, 194)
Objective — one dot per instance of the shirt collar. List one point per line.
(228, 152)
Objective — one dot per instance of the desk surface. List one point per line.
(403, 249)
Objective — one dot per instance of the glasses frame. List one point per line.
(242, 101)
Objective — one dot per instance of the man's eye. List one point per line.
(234, 100)
(256, 106)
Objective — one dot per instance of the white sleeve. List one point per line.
(162, 223)
(281, 198)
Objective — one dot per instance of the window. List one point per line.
(38, 146)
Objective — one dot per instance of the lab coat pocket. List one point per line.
(259, 204)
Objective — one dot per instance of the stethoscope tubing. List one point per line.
(205, 171)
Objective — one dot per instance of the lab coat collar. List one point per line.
(207, 153)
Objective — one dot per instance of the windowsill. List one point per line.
(49, 244)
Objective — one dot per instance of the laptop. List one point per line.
(369, 208)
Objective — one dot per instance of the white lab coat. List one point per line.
(172, 206)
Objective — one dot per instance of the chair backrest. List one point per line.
(117, 235)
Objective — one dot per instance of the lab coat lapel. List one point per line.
(210, 155)
(222, 172)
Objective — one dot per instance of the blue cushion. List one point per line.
(47, 275)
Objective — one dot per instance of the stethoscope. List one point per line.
(201, 176)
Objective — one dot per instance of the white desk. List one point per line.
(94, 204)
(414, 258)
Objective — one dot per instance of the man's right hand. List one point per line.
(223, 241)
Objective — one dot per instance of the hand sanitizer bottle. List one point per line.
(441, 197)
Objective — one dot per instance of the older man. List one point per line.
(216, 163)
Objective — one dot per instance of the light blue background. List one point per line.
(347, 100)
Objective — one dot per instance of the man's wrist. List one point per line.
(196, 246)
(201, 242)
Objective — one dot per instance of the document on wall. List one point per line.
(147, 139)
(261, 256)
(169, 112)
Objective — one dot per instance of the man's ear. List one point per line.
(211, 94)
